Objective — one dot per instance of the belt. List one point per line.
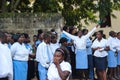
(5, 78)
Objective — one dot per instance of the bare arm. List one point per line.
(63, 74)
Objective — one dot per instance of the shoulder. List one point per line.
(104, 40)
(15, 44)
(66, 66)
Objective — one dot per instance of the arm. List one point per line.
(91, 32)
(63, 74)
(69, 35)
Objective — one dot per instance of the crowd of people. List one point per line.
(76, 53)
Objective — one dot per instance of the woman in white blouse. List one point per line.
(81, 54)
(20, 57)
(118, 50)
(100, 48)
(59, 69)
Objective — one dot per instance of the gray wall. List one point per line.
(31, 23)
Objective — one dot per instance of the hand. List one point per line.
(97, 25)
(56, 61)
(98, 48)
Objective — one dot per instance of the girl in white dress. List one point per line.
(59, 69)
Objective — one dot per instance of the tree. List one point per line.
(73, 11)
(14, 5)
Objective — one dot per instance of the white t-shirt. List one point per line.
(53, 72)
(102, 44)
(6, 66)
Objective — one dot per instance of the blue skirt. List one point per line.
(118, 58)
(112, 59)
(20, 70)
(81, 59)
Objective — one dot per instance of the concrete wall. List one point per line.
(30, 24)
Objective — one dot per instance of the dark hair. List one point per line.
(46, 35)
(101, 32)
(26, 35)
(83, 31)
(118, 33)
(65, 27)
(34, 35)
(40, 31)
(62, 40)
(53, 36)
(17, 36)
(111, 33)
(61, 50)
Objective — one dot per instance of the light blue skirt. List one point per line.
(81, 59)
(112, 59)
(118, 58)
(20, 70)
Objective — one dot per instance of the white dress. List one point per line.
(53, 72)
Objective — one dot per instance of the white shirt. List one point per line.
(53, 72)
(118, 43)
(102, 44)
(19, 52)
(6, 67)
(80, 42)
(42, 55)
(112, 43)
(54, 47)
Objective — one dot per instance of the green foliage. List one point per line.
(73, 11)
(46, 6)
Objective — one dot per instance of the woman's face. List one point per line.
(118, 36)
(79, 33)
(58, 55)
(98, 35)
(67, 30)
(21, 39)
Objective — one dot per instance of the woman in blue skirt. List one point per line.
(81, 54)
(20, 57)
(112, 57)
(118, 50)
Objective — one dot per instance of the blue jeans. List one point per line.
(42, 72)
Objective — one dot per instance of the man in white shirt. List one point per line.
(44, 56)
(6, 68)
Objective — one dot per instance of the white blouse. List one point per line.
(80, 42)
(53, 72)
(102, 44)
(112, 43)
(6, 66)
(118, 43)
(19, 52)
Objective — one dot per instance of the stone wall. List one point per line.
(30, 23)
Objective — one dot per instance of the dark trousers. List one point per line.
(31, 69)
(4, 78)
